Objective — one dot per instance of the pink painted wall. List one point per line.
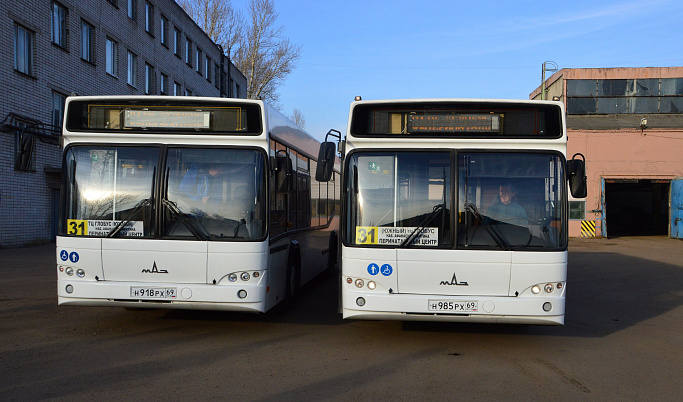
(616, 154)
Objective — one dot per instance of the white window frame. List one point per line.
(132, 68)
(23, 50)
(59, 24)
(87, 42)
(112, 51)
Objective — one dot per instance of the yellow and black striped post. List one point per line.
(587, 228)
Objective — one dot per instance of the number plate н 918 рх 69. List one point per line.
(153, 293)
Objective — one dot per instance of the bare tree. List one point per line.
(298, 118)
(222, 23)
(264, 55)
(256, 46)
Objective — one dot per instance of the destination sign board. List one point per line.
(454, 122)
(167, 119)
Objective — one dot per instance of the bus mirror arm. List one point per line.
(327, 157)
(576, 176)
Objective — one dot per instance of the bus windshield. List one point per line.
(505, 200)
(206, 194)
(105, 185)
(219, 191)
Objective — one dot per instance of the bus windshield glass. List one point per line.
(511, 201)
(457, 119)
(217, 192)
(505, 200)
(108, 185)
(394, 195)
(163, 117)
(203, 194)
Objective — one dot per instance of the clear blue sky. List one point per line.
(382, 49)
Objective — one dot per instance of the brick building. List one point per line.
(85, 47)
(628, 122)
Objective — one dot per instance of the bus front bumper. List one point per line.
(410, 307)
(237, 297)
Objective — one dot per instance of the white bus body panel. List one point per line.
(114, 266)
(501, 285)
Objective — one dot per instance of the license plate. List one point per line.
(453, 306)
(153, 293)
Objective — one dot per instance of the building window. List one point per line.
(216, 75)
(112, 56)
(23, 50)
(58, 101)
(188, 51)
(176, 89)
(114, 3)
(132, 9)
(59, 25)
(198, 60)
(188, 92)
(163, 84)
(624, 96)
(87, 42)
(149, 18)
(237, 90)
(149, 79)
(132, 68)
(24, 147)
(164, 29)
(176, 42)
(577, 210)
(207, 69)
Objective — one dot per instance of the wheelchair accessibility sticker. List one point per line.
(374, 269)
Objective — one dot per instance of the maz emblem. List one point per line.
(454, 282)
(154, 270)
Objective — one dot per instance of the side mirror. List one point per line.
(576, 175)
(283, 174)
(326, 157)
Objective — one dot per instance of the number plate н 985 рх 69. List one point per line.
(453, 306)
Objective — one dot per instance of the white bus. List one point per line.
(189, 203)
(455, 210)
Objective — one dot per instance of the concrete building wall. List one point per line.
(27, 197)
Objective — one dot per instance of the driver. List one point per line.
(506, 209)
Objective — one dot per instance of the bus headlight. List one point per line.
(548, 288)
(535, 289)
(245, 276)
(359, 283)
(69, 271)
(80, 273)
(232, 277)
(372, 285)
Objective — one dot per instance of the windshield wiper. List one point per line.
(196, 232)
(143, 203)
(418, 230)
